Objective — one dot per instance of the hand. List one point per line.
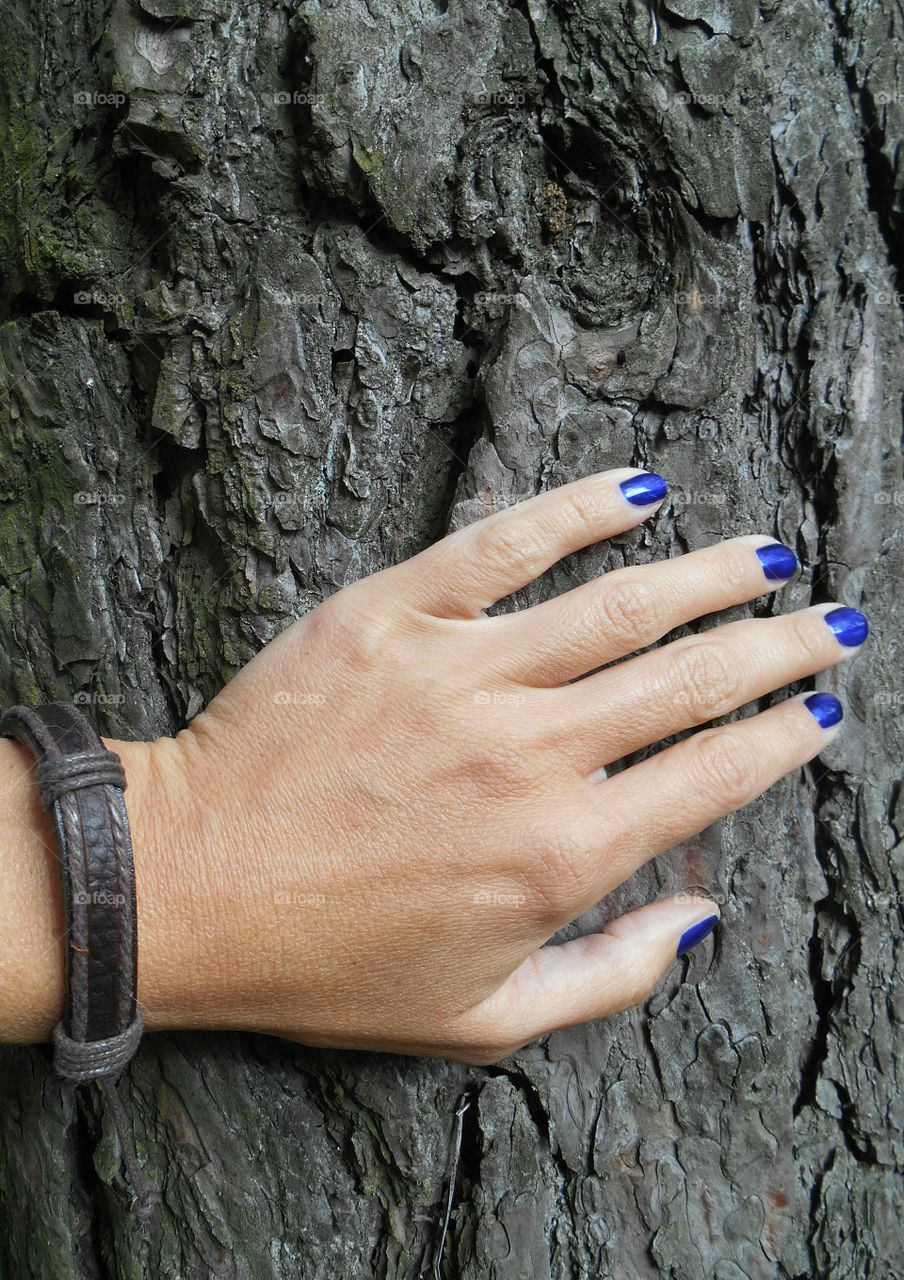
(369, 834)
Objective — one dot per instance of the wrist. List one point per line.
(196, 934)
(177, 937)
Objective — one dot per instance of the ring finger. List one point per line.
(660, 802)
(608, 715)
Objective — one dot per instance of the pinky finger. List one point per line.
(597, 975)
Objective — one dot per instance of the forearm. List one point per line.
(32, 922)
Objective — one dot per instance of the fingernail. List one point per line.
(825, 707)
(696, 933)
(779, 562)
(850, 626)
(643, 489)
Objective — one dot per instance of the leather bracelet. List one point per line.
(81, 784)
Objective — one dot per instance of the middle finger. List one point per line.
(699, 678)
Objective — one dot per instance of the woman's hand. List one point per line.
(367, 837)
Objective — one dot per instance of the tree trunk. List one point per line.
(287, 293)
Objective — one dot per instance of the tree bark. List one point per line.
(287, 293)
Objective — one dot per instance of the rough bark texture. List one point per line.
(289, 291)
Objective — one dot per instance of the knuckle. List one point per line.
(582, 506)
(724, 766)
(809, 637)
(629, 611)
(506, 766)
(560, 867)
(709, 678)
(508, 544)
(353, 630)
(797, 733)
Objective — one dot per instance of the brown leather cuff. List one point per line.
(81, 784)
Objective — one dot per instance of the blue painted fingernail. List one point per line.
(850, 626)
(696, 933)
(778, 561)
(826, 708)
(644, 489)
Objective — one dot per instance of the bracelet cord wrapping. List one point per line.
(81, 783)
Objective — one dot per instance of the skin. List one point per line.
(368, 836)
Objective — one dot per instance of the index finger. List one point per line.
(473, 568)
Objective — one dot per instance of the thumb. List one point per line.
(600, 974)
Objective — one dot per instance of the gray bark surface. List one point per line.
(288, 292)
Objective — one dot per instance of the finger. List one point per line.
(597, 975)
(702, 677)
(474, 567)
(656, 804)
(628, 609)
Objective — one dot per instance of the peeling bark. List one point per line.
(286, 293)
